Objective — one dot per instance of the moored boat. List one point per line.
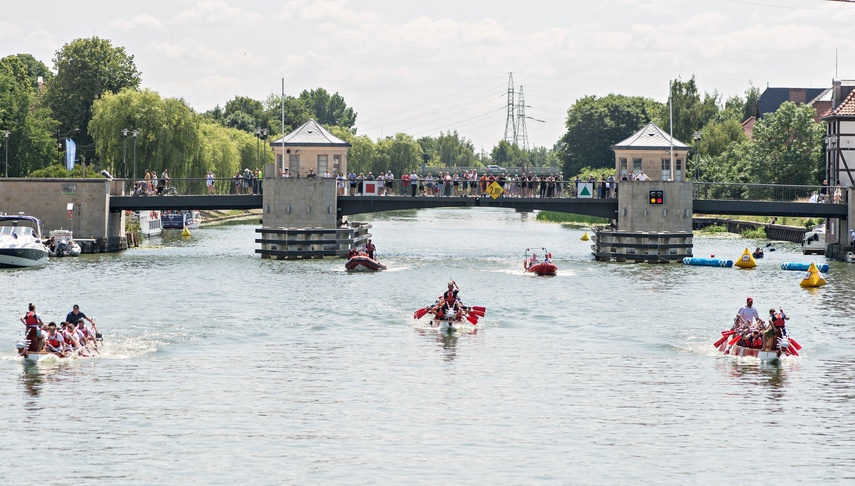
(359, 261)
(62, 244)
(537, 267)
(150, 223)
(180, 219)
(21, 242)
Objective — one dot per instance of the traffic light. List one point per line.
(657, 197)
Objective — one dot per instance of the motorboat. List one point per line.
(21, 242)
(180, 219)
(61, 243)
(813, 242)
(150, 223)
(359, 261)
(539, 267)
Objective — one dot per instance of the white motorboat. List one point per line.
(21, 242)
(814, 241)
(150, 223)
(62, 244)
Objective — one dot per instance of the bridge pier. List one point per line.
(655, 232)
(300, 220)
(837, 237)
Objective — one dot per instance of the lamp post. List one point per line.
(697, 138)
(134, 133)
(125, 133)
(6, 134)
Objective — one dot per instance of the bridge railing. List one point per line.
(766, 192)
(193, 187)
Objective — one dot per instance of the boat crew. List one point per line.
(370, 249)
(747, 314)
(75, 315)
(54, 343)
(779, 320)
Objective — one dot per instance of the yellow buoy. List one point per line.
(186, 232)
(585, 237)
(813, 278)
(746, 260)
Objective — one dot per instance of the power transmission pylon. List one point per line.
(521, 137)
(511, 121)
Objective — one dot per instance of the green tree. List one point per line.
(31, 145)
(86, 69)
(296, 114)
(362, 154)
(31, 68)
(595, 124)
(398, 154)
(506, 155)
(167, 134)
(788, 146)
(543, 157)
(690, 113)
(328, 110)
(454, 151)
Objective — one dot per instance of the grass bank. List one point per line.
(569, 218)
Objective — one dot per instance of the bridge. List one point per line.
(708, 198)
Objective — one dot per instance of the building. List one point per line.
(651, 150)
(839, 121)
(310, 147)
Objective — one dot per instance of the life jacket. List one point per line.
(54, 341)
(757, 342)
(449, 297)
(778, 320)
(30, 319)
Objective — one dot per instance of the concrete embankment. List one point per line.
(794, 234)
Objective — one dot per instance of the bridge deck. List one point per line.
(604, 208)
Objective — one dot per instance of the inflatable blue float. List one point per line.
(708, 262)
(803, 267)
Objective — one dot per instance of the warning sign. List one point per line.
(495, 190)
(586, 189)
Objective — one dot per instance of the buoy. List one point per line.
(186, 232)
(708, 262)
(803, 267)
(746, 260)
(813, 278)
(585, 237)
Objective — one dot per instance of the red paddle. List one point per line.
(472, 319)
(420, 313)
(795, 344)
(723, 339)
(477, 313)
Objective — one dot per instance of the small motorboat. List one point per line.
(539, 267)
(758, 253)
(21, 242)
(150, 223)
(62, 244)
(180, 219)
(359, 261)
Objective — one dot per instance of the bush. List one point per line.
(713, 229)
(756, 233)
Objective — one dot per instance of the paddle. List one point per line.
(795, 344)
(472, 319)
(725, 335)
(420, 313)
(477, 313)
(479, 308)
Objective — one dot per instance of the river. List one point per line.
(221, 367)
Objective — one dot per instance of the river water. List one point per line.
(221, 367)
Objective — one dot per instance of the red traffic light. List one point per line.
(656, 197)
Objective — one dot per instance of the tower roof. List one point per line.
(310, 133)
(650, 137)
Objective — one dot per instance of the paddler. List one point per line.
(33, 322)
(54, 342)
(747, 315)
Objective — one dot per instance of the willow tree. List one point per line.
(167, 134)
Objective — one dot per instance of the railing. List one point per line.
(767, 192)
(193, 187)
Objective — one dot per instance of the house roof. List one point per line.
(650, 137)
(772, 98)
(845, 109)
(310, 134)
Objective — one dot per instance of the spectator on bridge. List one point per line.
(838, 194)
(390, 180)
(852, 236)
(351, 178)
(312, 173)
(405, 183)
(418, 185)
(210, 182)
(339, 184)
(610, 186)
(164, 179)
(823, 191)
(643, 177)
(258, 180)
(327, 175)
(236, 180)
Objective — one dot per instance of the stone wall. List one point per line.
(635, 213)
(299, 203)
(48, 199)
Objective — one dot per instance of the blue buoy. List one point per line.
(803, 267)
(708, 262)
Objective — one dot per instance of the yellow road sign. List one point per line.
(495, 190)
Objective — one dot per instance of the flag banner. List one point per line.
(70, 153)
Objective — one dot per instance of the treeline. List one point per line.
(94, 98)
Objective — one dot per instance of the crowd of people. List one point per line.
(64, 339)
(756, 333)
(447, 184)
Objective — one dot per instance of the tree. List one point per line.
(788, 146)
(328, 110)
(362, 154)
(506, 155)
(32, 69)
(31, 145)
(86, 69)
(398, 154)
(454, 151)
(296, 113)
(595, 124)
(690, 114)
(167, 133)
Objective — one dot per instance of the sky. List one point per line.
(423, 68)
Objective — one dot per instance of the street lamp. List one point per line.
(6, 134)
(697, 138)
(125, 133)
(134, 133)
(260, 133)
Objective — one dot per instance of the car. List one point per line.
(495, 168)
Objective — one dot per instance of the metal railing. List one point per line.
(766, 192)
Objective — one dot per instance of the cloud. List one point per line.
(140, 21)
(325, 11)
(9, 31)
(216, 11)
(191, 50)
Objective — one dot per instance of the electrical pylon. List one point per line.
(511, 121)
